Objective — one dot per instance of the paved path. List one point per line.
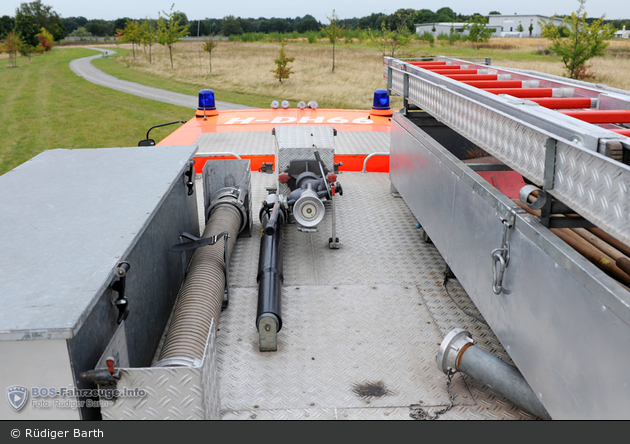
(83, 68)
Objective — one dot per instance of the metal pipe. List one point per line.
(600, 115)
(494, 83)
(566, 103)
(218, 154)
(462, 77)
(364, 170)
(201, 297)
(457, 353)
(270, 277)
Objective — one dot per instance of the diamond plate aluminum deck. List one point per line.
(382, 292)
(262, 142)
(244, 143)
(359, 142)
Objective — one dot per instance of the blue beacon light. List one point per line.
(207, 106)
(380, 105)
(381, 99)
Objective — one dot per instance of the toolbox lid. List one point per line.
(67, 218)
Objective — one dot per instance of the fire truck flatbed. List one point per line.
(433, 253)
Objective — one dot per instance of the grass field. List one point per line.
(45, 106)
(244, 68)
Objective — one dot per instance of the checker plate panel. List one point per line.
(382, 292)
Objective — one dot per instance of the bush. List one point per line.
(253, 36)
(426, 36)
(442, 36)
(46, 40)
(454, 36)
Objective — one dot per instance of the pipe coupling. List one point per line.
(454, 343)
(233, 197)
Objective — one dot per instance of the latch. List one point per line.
(267, 167)
(122, 303)
(103, 376)
(198, 242)
(190, 183)
(501, 256)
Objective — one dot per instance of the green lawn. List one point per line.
(110, 66)
(45, 106)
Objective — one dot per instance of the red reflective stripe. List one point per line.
(522, 92)
(462, 77)
(600, 116)
(454, 71)
(495, 83)
(435, 63)
(623, 132)
(441, 67)
(564, 102)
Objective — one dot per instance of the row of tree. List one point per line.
(36, 14)
(44, 16)
(34, 28)
(167, 31)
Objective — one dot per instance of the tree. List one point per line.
(531, 28)
(119, 24)
(97, 27)
(198, 28)
(282, 70)
(208, 46)
(307, 24)
(579, 42)
(334, 32)
(131, 34)
(80, 32)
(7, 24)
(447, 12)
(27, 30)
(12, 44)
(147, 35)
(477, 30)
(231, 26)
(44, 17)
(453, 36)
(180, 17)
(389, 41)
(520, 28)
(169, 30)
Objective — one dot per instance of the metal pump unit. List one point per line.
(305, 159)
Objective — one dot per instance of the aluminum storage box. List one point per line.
(68, 218)
(564, 323)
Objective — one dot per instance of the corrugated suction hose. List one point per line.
(202, 293)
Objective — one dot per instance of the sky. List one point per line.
(197, 9)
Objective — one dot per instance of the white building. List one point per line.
(622, 34)
(445, 28)
(508, 25)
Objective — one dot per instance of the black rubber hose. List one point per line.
(270, 275)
